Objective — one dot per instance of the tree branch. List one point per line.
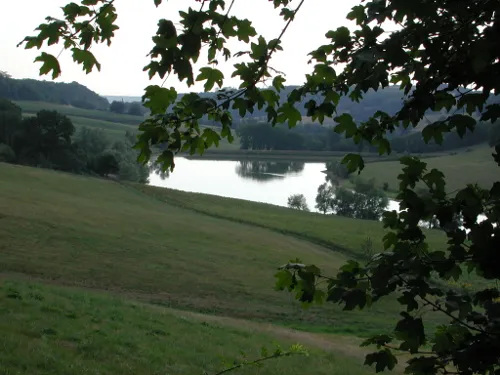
(257, 361)
(260, 74)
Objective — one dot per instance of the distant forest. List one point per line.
(314, 137)
(254, 132)
(46, 91)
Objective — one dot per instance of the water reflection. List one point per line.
(267, 170)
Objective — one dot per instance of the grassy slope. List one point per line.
(342, 235)
(33, 107)
(48, 330)
(476, 166)
(96, 233)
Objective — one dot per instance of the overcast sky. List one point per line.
(123, 61)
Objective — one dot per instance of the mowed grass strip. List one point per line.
(337, 233)
(56, 331)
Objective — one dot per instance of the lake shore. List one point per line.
(284, 155)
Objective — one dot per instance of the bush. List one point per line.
(7, 154)
(106, 164)
(385, 186)
(298, 202)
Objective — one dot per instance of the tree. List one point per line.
(7, 155)
(298, 202)
(44, 139)
(117, 107)
(444, 55)
(324, 197)
(106, 164)
(135, 109)
(10, 120)
(364, 202)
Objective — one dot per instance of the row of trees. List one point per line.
(312, 137)
(132, 108)
(364, 201)
(48, 140)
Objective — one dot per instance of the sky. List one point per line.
(123, 62)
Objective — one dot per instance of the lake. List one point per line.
(259, 181)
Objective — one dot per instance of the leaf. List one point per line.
(444, 100)
(353, 162)
(462, 123)
(166, 160)
(357, 13)
(50, 63)
(382, 360)
(492, 113)
(354, 298)
(288, 112)
(158, 99)
(345, 125)
(287, 14)
(211, 137)
(411, 332)
(390, 239)
(472, 102)
(86, 58)
(285, 280)
(435, 130)
(379, 340)
(211, 76)
(245, 31)
(435, 180)
(408, 299)
(278, 83)
(341, 37)
(157, 2)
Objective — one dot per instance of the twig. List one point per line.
(453, 317)
(241, 92)
(285, 354)
(96, 15)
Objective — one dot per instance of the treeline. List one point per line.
(49, 140)
(414, 143)
(314, 137)
(130, 108)
(46, 91)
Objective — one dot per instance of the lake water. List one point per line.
(259, 181)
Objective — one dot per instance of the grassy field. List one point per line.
(50, 330)
(33, 107)
(99, 234)
(96, 276)
(460, 168)
(342, 235)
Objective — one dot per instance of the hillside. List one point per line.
(461, 167)
(72, 93)
(155, 249)
(58, 331)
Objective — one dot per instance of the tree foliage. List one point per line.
(298, 202)
(443, 55)
(49, 140)
(53, 92)
(324, 197)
